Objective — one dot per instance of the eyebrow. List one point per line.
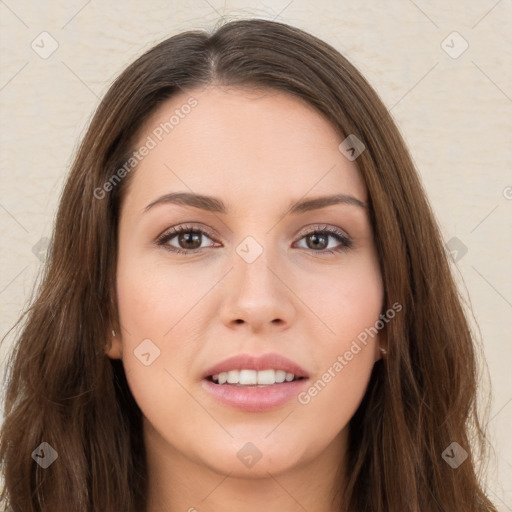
(215, 205)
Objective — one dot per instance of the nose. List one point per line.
(258, 294)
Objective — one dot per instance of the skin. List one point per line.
(258, 151)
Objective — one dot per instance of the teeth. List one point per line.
(280, 376)
(233, 377)
(253, 377)
(264, 377)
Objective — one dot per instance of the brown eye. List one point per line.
(189, 240)
(186, 239)
(318, 240)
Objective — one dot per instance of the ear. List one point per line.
(381, 344)
(114, 349)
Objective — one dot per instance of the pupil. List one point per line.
(190, 238)
(316, 237)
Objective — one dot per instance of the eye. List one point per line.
(188, 238)
(318, 240)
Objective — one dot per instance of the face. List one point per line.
(290, 289)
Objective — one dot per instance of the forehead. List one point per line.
(249, 145)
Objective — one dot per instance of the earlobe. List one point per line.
(115, 350)
(381, 345)
(380, 350)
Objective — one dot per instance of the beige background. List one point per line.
(454, 110)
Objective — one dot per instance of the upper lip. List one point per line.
(271, 361)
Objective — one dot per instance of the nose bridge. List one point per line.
(257, 294)
(254, 271)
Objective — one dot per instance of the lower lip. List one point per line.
(254, 399)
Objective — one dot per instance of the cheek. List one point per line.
(153, 297)
(346, 300)
(345, 366)
(153, 304)
(350, 306)
(333, 397)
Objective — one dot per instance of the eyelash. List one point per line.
(163, 239)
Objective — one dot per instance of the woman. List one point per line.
(246, 301)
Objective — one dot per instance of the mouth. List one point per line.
(255, 384)
(246, 369)
(253, 378)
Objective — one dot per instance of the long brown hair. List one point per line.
(63, 390)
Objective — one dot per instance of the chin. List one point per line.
(256, 456)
